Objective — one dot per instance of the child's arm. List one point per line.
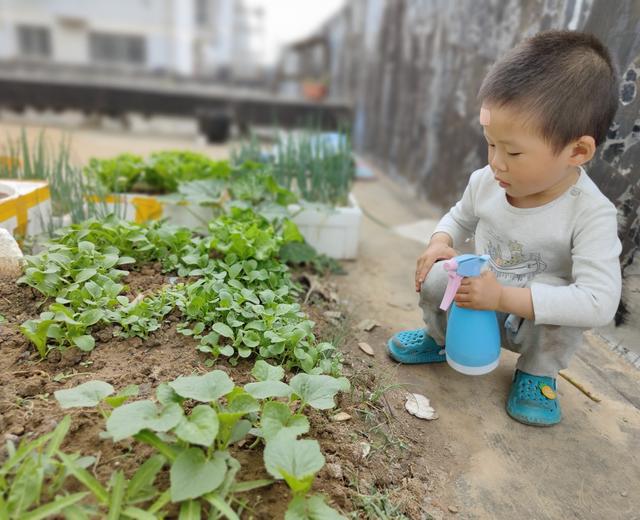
(592, 297)
(516, 300)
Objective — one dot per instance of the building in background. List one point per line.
(316, 66)
(201, 38)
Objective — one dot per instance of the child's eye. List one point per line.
(515, 154)
(492, 145)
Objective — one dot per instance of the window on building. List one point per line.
(202, 12)
(34, 41)
(117, 49)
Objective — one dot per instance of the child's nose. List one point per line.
(497, 162)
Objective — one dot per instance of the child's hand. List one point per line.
(480, 292)
(438, 249)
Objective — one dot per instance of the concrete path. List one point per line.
(483, 462)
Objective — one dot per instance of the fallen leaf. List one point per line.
(341, 416)
(420, 406)
(314, 287)
(366, 348)
(368, 325)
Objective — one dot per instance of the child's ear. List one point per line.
(582, 150)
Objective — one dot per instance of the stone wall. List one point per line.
(413, 68)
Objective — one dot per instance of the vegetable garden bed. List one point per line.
(155, 371)
(29, 409)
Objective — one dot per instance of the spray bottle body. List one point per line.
(473, 337)
(472, 341)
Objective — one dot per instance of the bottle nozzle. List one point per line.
(451, 266)
(457, 268)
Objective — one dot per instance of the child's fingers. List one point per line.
(423, 269)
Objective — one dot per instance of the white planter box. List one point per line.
(331, 231)
(27, 208)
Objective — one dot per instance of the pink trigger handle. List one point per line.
(451, 266)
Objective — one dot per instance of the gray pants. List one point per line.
(543, 349)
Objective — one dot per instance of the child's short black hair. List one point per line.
(565, 80)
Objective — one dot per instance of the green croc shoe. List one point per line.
(533, 400)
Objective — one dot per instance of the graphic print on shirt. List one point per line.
(510, 261)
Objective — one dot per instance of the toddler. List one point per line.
(551, 234)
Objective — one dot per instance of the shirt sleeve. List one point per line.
(592, 299)
(460, 222)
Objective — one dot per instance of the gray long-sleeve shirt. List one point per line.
(573, 237)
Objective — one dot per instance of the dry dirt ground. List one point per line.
(489, 466)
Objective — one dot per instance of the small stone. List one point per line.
(335, 470)
(31, 387)
(368, 325)
(624, 494)
(366, 348)
(365, 449)
(453, 509)
(104, 335)
(340, 417)
(333, 315)
(17, 429)
(70, 357)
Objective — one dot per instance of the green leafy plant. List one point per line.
(118, 174)
(195, 445)
(294, 460)
(167, 169)
(160, 173)
(33, 475)
(303, 254)
(315, 165)
(194, 440)
(239, 301)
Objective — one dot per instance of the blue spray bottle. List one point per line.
(473, 337)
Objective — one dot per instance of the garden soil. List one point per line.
(27, 406)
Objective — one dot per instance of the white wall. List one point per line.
(71, 21)
(183, 34)
(167, 26)
(70, 44)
